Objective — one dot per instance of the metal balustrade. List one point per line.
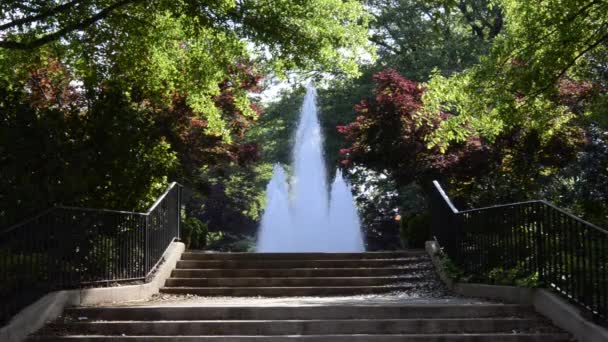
(69, 247)
(534, 239)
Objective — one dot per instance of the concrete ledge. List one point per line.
(136, 292)
(509, 294)
(51, 306)
(34, 316)
(434, 251)
(568, 317)
(563, 314)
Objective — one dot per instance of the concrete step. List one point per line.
(202, 255)
(297, 327)
(284, 291)
(509, 337)
(164, 313)
(245, 264)
(289, 281)
(300, 272)
(297, 275)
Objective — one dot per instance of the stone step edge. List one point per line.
(399, 277)
(283, 287)
(410, 251)
(285, 261)
(345, 311)
(306, 257)
(405, 268)
(306, 306)
(494, 337)
(323, 321)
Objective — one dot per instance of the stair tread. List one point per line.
(405, 276)
(306, 260)
(328, 306)
(303, 275)
(306, 268)
(281, 287)
(306, 255)
(490, 337)
(353, 320)
(203, 251)
(312, 335)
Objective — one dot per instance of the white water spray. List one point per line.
(343, 217)
(276, 215)
(307, 221)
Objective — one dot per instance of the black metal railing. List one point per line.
(69, 247)
(529, 239)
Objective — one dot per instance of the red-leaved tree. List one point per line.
(391, 135)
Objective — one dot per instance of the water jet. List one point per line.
(300, 215)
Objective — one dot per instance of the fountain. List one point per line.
(299, 216)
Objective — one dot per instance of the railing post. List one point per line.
(146, 246)
(458, 232)
(540, 245)
(179, 210)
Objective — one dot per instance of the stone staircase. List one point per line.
(363, 297)
(296, 274)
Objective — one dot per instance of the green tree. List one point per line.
(275, 129)
(143, 91)
(415, 36)
(53, 154)
(518, 83)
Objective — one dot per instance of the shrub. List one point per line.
(415, 231)
(513, 276)
(194, 233)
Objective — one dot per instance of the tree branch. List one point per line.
(477, 30)
(377, 40)
(592, 45)
(32, 44)
(26, 20)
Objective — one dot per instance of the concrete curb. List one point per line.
(509, 294)
(563, 314)
(51, 306)
(568, 317)
(434, 251)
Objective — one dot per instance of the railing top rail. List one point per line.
(156, 203)
(498, 206)
(574, 217)
(162, 197)
(100, 210)
(17, 225)
(445, 197)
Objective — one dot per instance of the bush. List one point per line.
(194, 233)
(452, 271)
(516, 276)
(228, 242)
(415, 231)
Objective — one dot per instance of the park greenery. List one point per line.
(104, 102)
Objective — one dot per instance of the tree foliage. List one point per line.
(390, 135)
(415, 36)
(544, 44)
(122, 95)
(319, 34)
(52, 153)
